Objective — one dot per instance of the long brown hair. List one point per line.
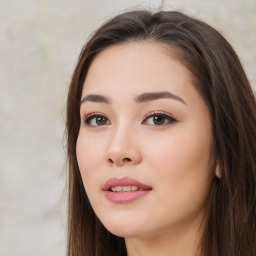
(230, 228)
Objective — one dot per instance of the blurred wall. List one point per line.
(39, 43)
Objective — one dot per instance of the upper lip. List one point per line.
(125, 181)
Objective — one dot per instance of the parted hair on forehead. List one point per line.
(230, 225)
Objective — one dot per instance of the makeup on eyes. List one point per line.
(159, 118)
(96, 119)
(153, 118)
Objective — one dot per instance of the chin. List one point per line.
(124, 229)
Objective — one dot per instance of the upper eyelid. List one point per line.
(159, 112)
(92, 114)
(87, 118)
(149, 114)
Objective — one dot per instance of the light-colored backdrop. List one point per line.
(39, 44)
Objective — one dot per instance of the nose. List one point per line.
(123, 149)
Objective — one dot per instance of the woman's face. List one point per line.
(144, 145)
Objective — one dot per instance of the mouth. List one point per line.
(124, 190)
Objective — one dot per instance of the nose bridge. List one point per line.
(123, 148)
(120, 136)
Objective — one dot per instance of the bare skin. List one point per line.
(143, 118)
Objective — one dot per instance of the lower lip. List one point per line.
(125, 197)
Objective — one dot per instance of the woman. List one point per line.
(161, 142)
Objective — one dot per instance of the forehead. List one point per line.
(136, 66)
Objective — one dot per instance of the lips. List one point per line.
(124, 182)
(122, 190)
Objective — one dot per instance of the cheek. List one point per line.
(182, 162)
(182, 148)
(182, 170)
(89, 158)
(89, 154)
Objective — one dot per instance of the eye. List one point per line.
(95, 120)
(158, 119)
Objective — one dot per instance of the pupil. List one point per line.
(101, 120)
(159, 120)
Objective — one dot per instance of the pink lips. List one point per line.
(125, 196)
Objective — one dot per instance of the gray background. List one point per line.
(39, 44)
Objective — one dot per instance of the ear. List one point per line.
(217, 170)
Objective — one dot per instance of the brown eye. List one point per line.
(100, 120)
(95, 120)
(159, 119)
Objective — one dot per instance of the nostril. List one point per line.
(126, 159)
(110, 161)
(123, 161)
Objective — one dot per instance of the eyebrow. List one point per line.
(145, 97)
(95, 98)
(149, 96)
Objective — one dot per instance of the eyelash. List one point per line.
(168, 119)
(88, 118)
